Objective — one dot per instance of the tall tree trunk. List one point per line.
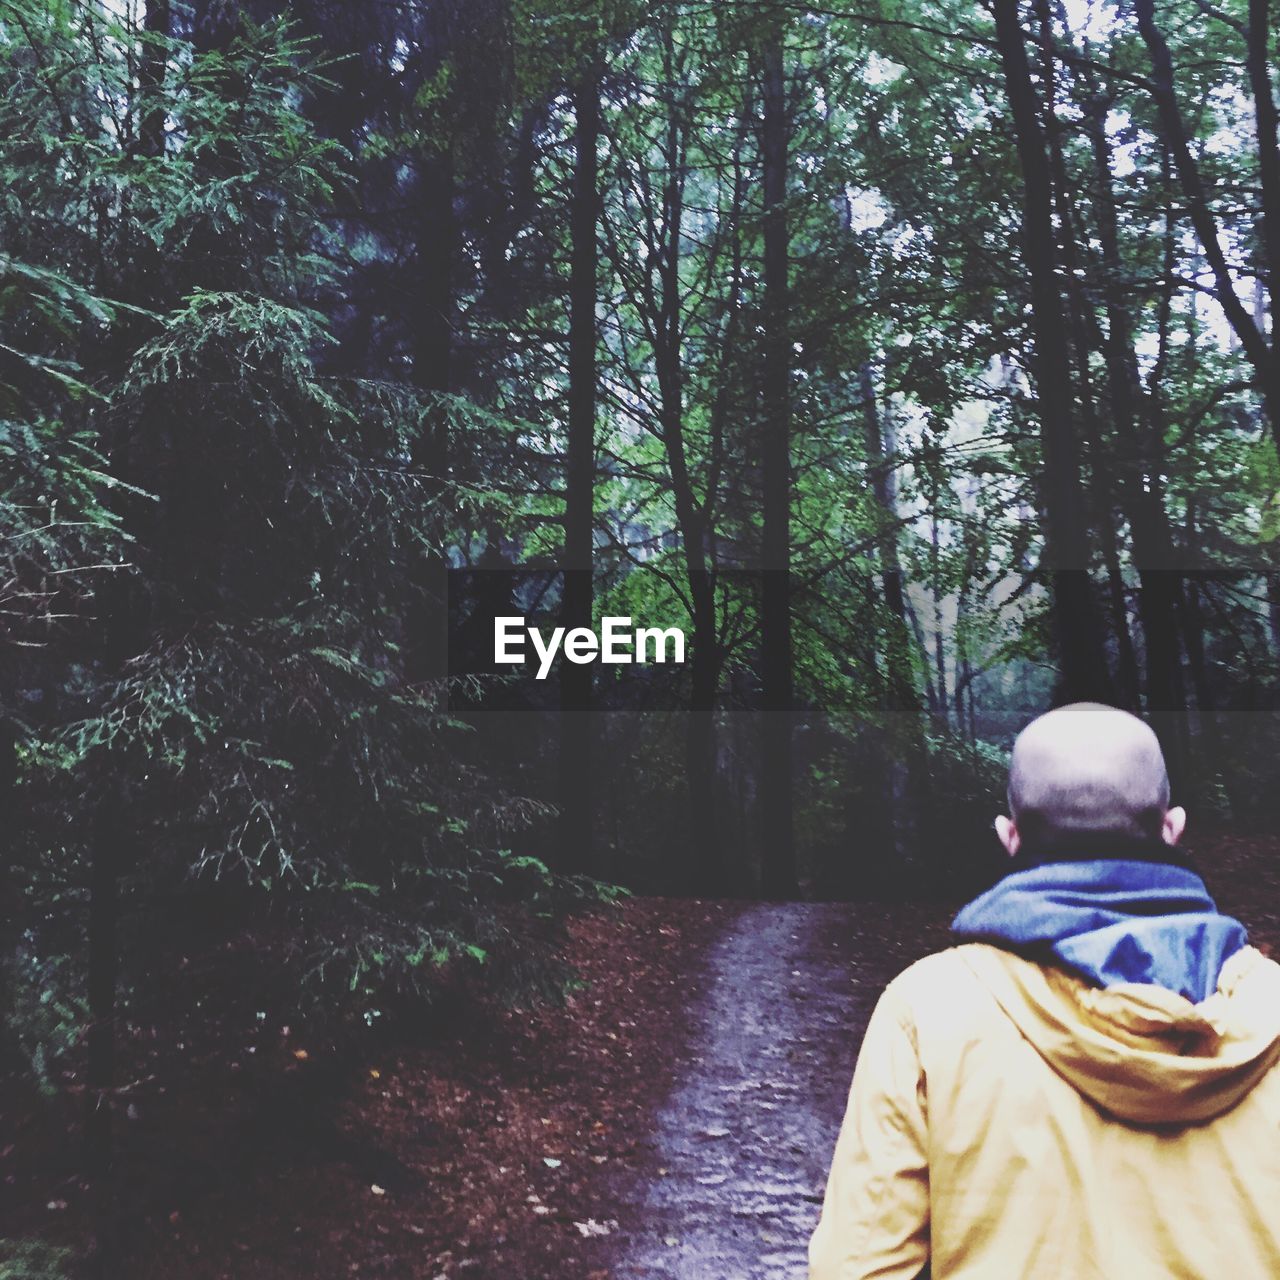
(1085, 337)
(1192, 620)
(904, 759)
(705, 871)
(1190, 613)
(1142, 454)
(879, 439)
(429, 320)
(432, 348)
(778, 871)
(577, 798)
(1272, 580)
(100, 1064)
(964, 669)
(1252, 340)
(152, 63)
(1258, 62)
(214, 23)
(709, 873)
(1083, 666)
(9, 901)
(939, 643)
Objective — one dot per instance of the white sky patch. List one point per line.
(1091, 19)
(1123, 164)
(907, 238)
(867, 209)
(881, 71)
(1122, 152)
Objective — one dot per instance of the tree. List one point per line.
(1259, 353)
(249, 738)
(779, 877)
(1084, 672)
(576, 765)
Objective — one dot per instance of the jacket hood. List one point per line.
(1111, 920)
(1138, 1051)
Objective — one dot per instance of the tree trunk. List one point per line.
(1189, 613)
(705, 871)
(432, 348)
(214, 24)
(1085, 337)
(708, 873)
(100, 1064)
(708, 870)
(151, 71)
(939, 645)
(9, 901)
(1083, 669)
(904, 758)
(1141, 452)
(1252, 340)
(778, 870)
(1258, 62)
(576, 790)
(1273, 608)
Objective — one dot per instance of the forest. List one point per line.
(914, 358)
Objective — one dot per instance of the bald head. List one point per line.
(1088, 768)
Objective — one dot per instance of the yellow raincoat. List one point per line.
(1010, 1121)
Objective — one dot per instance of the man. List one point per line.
(1086, 1085)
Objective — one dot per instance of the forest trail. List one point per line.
(731, 1185)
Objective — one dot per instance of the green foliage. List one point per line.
(252, 523)
(43, 1011)
(58, 533)
(34, 1260)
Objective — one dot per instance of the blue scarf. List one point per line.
(1112, 920)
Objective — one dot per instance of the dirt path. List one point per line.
(730, 1186)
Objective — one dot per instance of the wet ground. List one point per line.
(731, 1184)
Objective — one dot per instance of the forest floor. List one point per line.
(674, 1119)
(729, 1185)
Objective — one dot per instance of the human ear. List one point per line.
(1174, 824)
(1007, 832)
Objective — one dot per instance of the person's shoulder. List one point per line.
(938, 966)
(943, 981)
